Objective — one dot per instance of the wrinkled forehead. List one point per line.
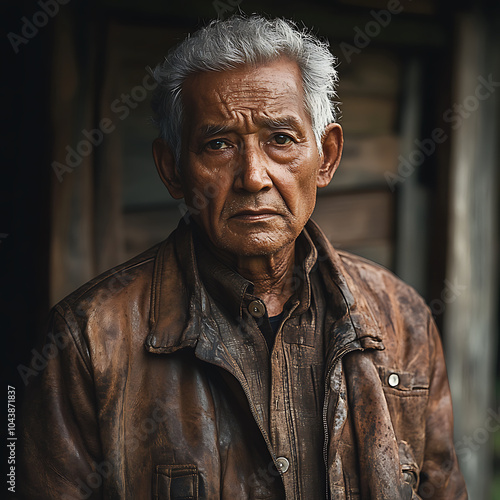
(270, 89)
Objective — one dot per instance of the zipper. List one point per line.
(257, 421)
(335, 360)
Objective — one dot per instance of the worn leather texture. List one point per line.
(141, 399)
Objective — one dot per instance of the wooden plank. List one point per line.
(126, 150)
(353, 218)
(71, 248)
(365, 162)
(364, 115)
(470, 294)
(361, 222)
(145, 228)
(372, 72)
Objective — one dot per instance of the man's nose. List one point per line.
(251, 173)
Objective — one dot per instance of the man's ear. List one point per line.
(332, 143)
(167, 168)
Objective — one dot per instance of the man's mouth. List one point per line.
(255, 215)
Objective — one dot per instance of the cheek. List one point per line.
(205, 192)
(298, 186)
(308, 178)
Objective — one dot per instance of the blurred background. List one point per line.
(417, 190)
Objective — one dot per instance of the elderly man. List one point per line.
(244, 358)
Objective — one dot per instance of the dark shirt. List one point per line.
(275, 322)
(269, 327)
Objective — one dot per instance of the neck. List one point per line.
(270, 274)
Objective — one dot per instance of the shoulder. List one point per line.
(133, 273)
(401, 313)
(118, 294)
(378, 281)
(109, 312)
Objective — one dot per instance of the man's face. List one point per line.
(249, 161)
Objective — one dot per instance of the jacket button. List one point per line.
(282, 464)
(257, 308)
(393, 380)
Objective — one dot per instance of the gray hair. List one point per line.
(225, 45)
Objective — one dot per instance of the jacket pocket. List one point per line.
(402, 383)
(175, 482)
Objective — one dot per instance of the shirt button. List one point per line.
(393, 380)
(282, 464)
(257, 308)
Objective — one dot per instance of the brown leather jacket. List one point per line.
(136, 397)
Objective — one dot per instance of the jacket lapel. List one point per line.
(178, 303)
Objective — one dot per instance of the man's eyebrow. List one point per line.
(210, 130)
(280, 122)
(290, 122)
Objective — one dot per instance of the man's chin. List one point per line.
(256, 245)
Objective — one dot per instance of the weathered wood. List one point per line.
(72, 247)
(470, 318)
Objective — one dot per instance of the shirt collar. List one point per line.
(233, 292)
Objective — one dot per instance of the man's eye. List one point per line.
(282, 139)
(217, 144)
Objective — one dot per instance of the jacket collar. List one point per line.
(180, 306)
(178, 302)
(357, 317)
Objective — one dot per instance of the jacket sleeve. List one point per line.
(440, 476)
(59, 443)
